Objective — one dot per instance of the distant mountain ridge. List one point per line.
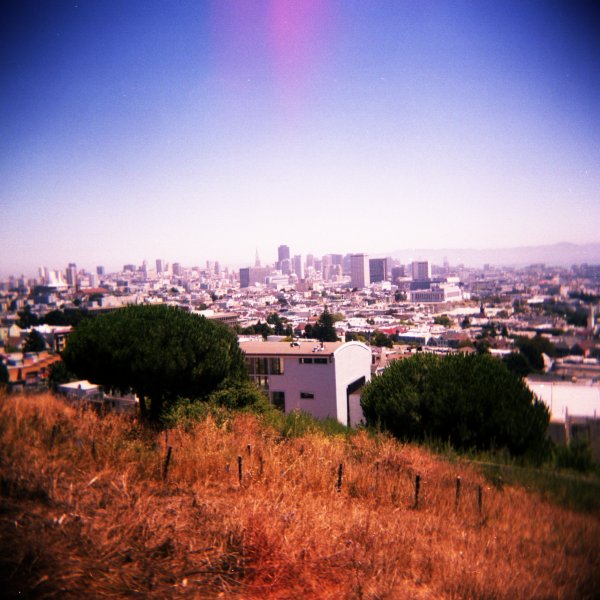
(563, 254)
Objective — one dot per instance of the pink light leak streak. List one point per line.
(297, 33)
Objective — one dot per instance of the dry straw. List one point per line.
(100, 507)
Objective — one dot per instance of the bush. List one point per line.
(471, 401)
(577, 455)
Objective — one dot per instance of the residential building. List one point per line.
(321, 379)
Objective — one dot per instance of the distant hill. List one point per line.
(561, 254)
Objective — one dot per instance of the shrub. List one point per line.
(471, 401)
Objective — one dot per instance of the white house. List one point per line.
(321, 379)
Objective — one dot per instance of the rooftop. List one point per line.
(290, 348)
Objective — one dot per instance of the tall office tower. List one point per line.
(72, 275)
(43, 272)
(257, 259)
(160, 267)
(378, 270)
(337, 259)
(286, 266)
(100, 271)
(245, 277)
(310, 261)
(446, 265)
(346, 264)
(421, 270)
(326, 263)
(398, 272)
(298, 267)
(283, 253)
(359, 271)
(217, 267)
(177, 270)
(252, 275)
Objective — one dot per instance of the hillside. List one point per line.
(88, 509)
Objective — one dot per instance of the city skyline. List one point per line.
(136, 131)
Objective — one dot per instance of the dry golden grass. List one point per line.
(86, 512)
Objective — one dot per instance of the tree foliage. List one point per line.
(34, 342)
(517, 363)
(533, 349)
(27, 319)
(443, 320)
(59, 374)
(280, 324)
(380, 339)
(3, 374)
(472, 401)
(159, 352)
(324, 329)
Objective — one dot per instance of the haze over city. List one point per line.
(196, 131)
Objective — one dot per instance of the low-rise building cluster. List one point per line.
(387, 308)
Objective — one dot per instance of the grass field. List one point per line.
(90, 508)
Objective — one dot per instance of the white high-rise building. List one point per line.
(359, 271)
(298, 266)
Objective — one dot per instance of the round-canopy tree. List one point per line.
(472, 401)
(159, 352)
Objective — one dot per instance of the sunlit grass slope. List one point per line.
(90, 508)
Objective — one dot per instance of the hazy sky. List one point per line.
(195, 130)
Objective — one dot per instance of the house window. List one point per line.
(305, 361)
(320, 361)
(262, 381)
(276, 366)
(262, 365)
(307, 396)
(278, 400)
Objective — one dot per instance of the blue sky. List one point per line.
(196, 131)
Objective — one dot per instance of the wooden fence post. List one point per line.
(339, 480)
(417, 487)
(167, 461)
(240, 469)
(479, 499)
(457, 500)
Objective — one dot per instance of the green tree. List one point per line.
(380, 339)
(159, 352)
(59, 374)
(444, 320)
(280, 324)
(3, 375)
(517, 363)
(34, 342)
(472, 401)
(534, 348)
(324, 328)
(27, 319)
